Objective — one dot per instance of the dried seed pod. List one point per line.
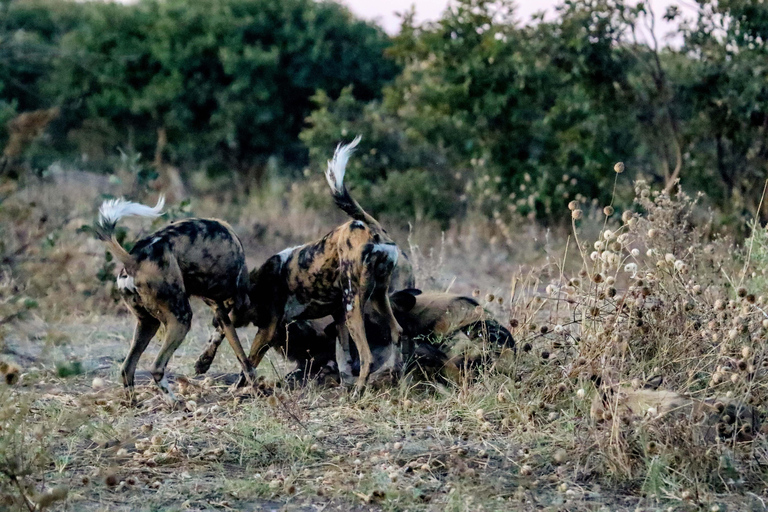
(110, 479)
(51, 496)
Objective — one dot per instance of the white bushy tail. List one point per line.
(334, 175)
(337, 166)
(113, 210)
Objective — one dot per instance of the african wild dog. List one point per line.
(340, 275)
(311, 343)
(423, 314)
(200, 257)
(712, 418)
(429, 320)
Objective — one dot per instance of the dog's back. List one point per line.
(201, 257)
(208, 252)
(441, 314)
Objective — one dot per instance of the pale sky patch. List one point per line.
(383, 12)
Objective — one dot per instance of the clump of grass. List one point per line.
(656, 293)
(24, 456)
(623, 297)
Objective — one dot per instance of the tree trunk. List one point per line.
(169, 180)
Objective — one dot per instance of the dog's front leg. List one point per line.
(203, 363)
(261, 343)
(146, 327)
(175, 330)
(343, 354)
(234, 341)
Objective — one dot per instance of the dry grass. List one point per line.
(623, 296)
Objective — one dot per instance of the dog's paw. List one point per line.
(358, 391)
(242, 381)
(130, 399)
(203, 364)
(258, 387)
(328, 376)
(295, 379)
(174, 402)
(347, 379)
(384, 379)
(248, 379)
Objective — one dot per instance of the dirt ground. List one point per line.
(406, 448)
(517, 437)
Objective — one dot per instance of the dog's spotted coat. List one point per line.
(348, 270)
(194, 257)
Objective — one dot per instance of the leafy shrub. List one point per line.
(396, 171)
(657, 293)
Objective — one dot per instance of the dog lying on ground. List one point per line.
(713, 418)
(341, 275)
(429, 320)
(200, 257)
(430, 314)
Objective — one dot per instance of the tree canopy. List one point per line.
(228, 81)
(472, 111)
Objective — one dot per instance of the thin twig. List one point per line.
(752, 235)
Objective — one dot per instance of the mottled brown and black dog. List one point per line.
(342, 274)
(431, 322)
(200, 257)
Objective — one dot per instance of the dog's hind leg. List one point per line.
(378, 261)
(231, 334)
(178, 319)
(393, 361)
(343, 355)
(146, 327)
(354, 321)
(204, 361)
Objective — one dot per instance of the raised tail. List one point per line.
(113, 210)
(334, 174)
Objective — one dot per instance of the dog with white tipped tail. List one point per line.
(432, 322)
(348, 270)
(192, 257)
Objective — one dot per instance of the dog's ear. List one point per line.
(654, 382)
(404, 300)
